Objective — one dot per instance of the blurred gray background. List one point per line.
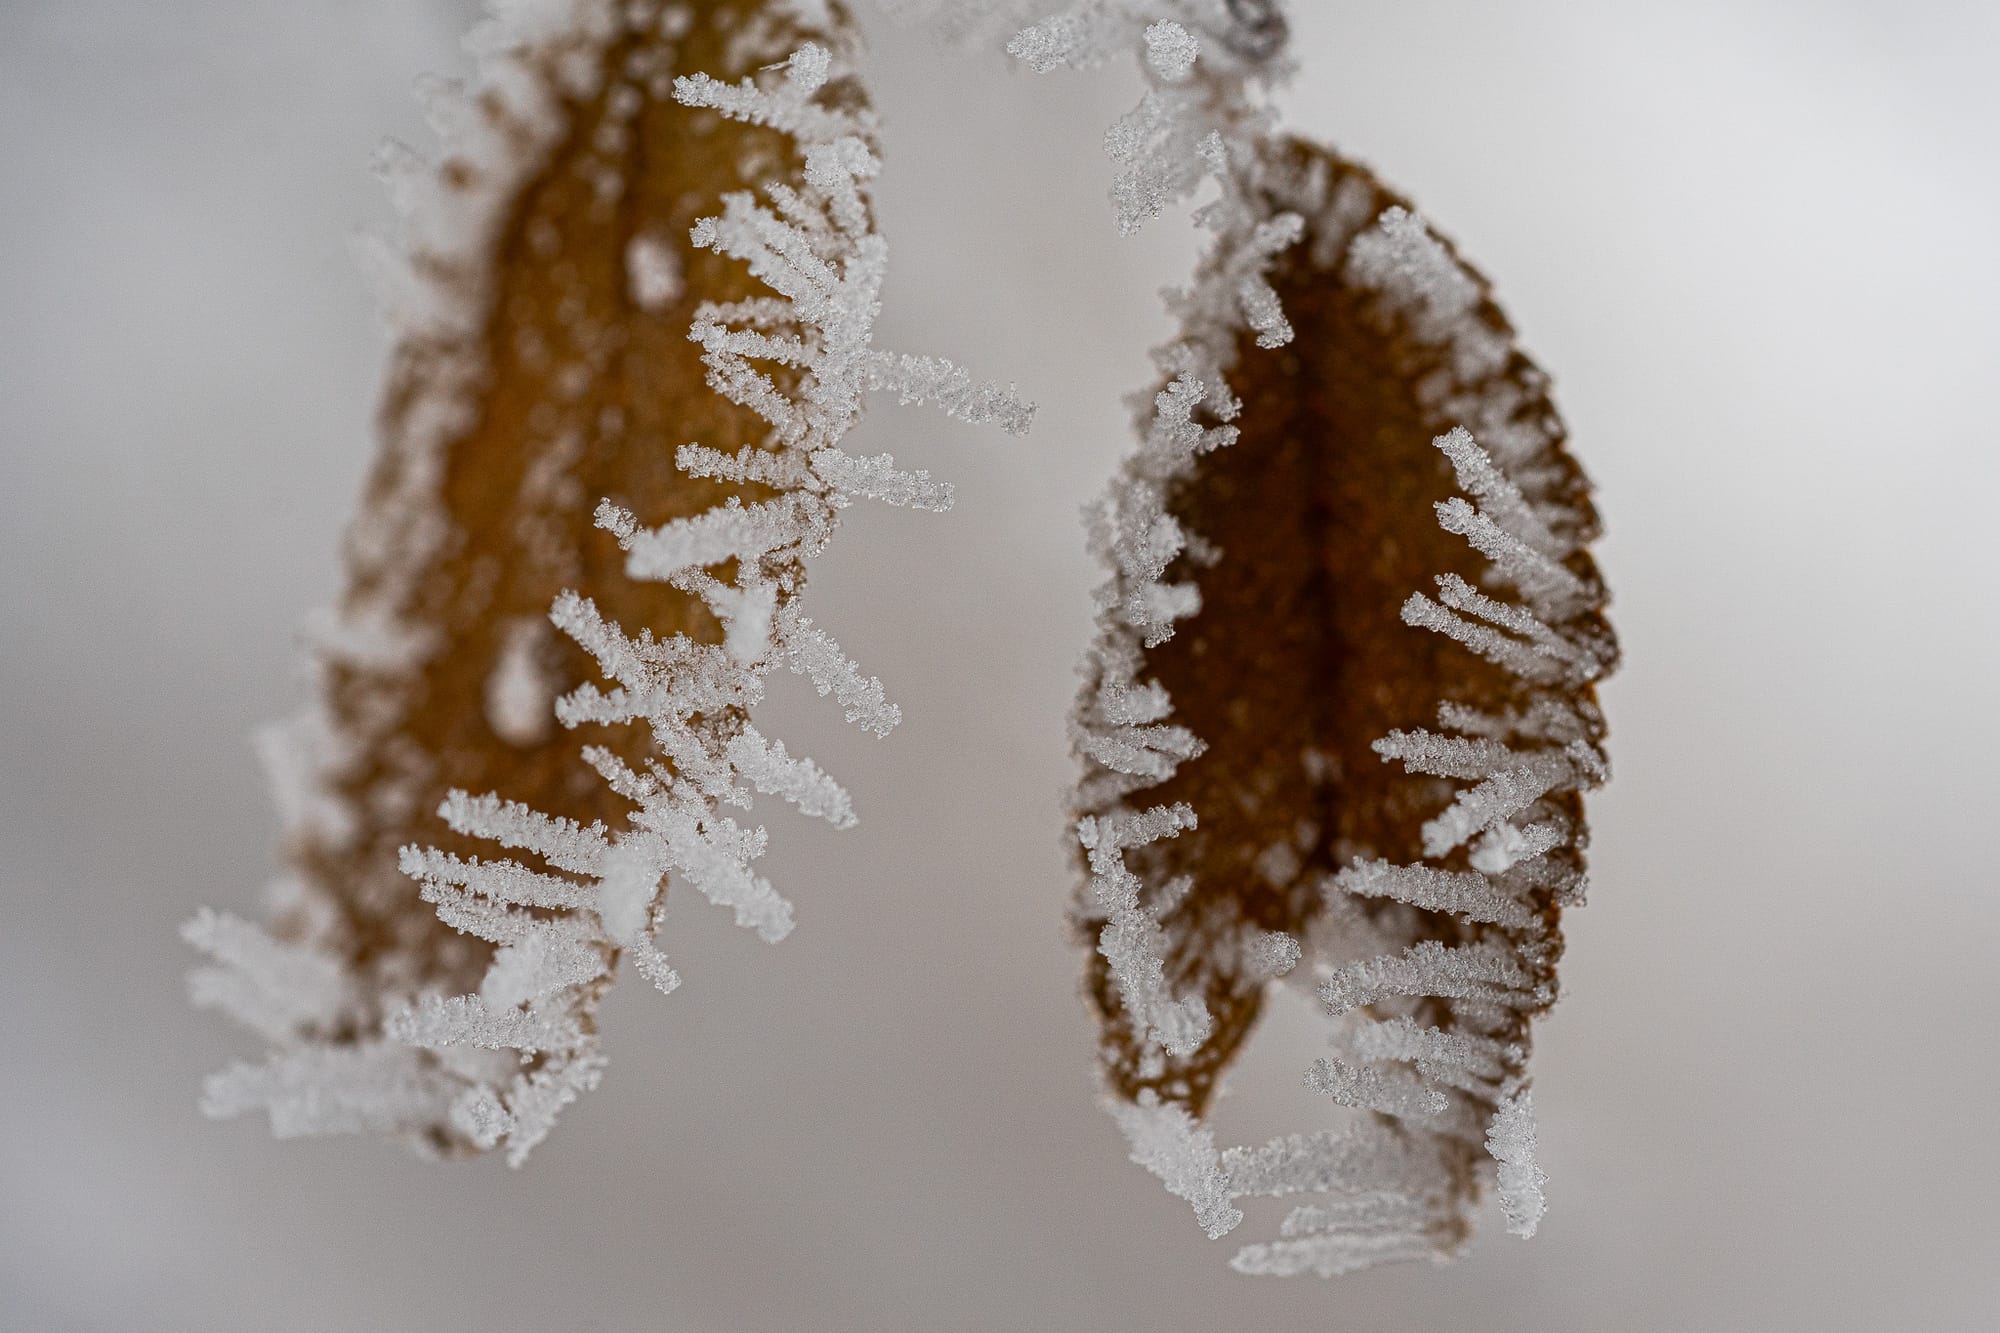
(1756, 243)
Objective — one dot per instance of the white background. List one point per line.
(1755, 242)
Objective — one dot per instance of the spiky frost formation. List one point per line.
(571, 308)
(1276, 544)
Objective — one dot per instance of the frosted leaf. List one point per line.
(546, 252)
(1247, 693)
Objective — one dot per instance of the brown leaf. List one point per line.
(576, 390)
(1305, 537)
(558, 373)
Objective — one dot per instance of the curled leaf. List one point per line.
(1351, 640)
(619, 390)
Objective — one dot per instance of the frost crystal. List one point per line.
(1511, 1140)
(1196, 120)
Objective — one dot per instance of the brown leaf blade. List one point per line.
(575, 313)
(1421, 873)
(573, 388)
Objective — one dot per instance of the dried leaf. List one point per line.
(617, 399)
(1286, 712)
(578, 382)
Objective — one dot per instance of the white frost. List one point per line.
(521, 689)
(652, 273)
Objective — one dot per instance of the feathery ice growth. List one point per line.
(1341, 706)
(618, 396)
